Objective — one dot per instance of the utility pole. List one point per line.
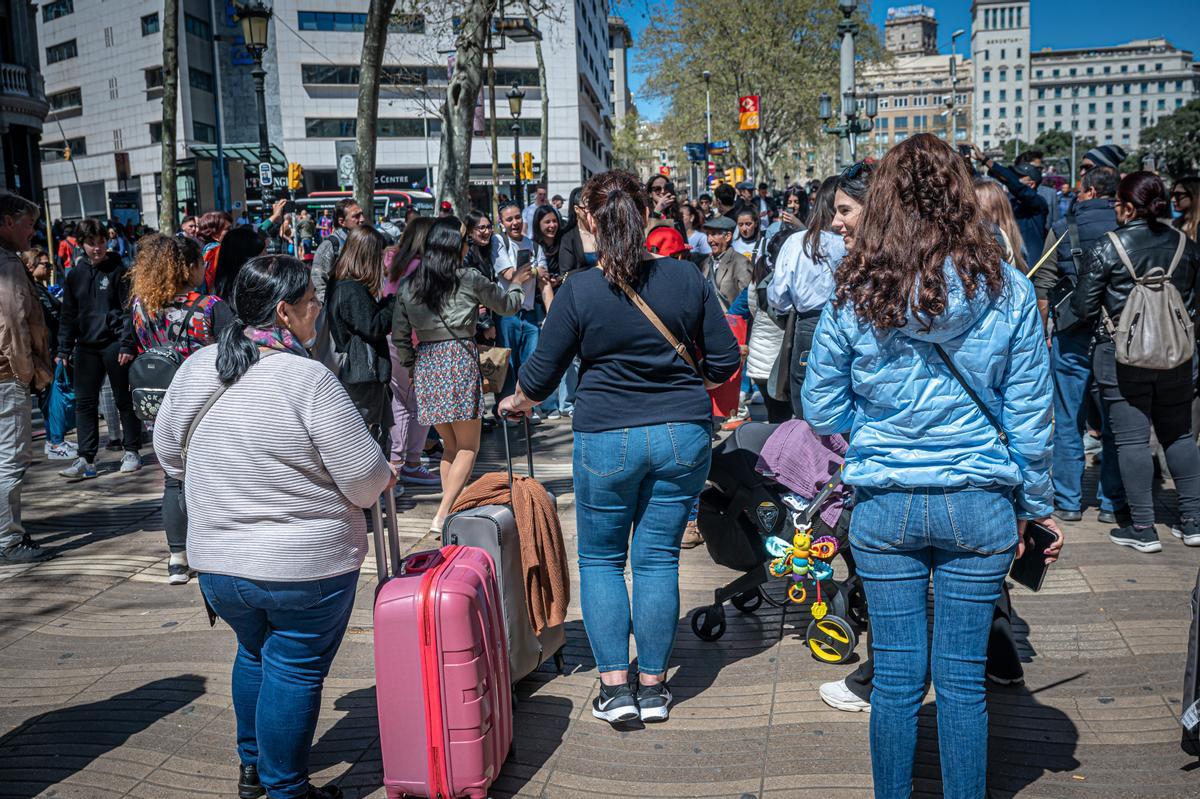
(707, 123)
(1074, 125)
(847, 28)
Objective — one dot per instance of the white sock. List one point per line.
(178, 559)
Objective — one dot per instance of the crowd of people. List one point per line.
(967, 333)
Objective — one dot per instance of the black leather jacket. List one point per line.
(1106, 280)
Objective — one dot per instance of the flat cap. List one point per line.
(721, 223)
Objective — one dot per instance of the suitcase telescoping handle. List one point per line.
(384, 518)
(528, 446)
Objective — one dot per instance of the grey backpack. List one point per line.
(1155, 331)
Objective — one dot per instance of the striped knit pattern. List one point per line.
(278, 469)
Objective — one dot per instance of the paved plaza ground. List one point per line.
(112, 683)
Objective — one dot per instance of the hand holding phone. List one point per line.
(1039, 544)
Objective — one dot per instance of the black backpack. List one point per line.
(152, 371)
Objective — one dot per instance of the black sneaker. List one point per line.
(615, 703)
(330, 791)
(178, 574)
(1068, 515)
(654, 702)
(1187, 531)
(24, 551)
(1143, 539)
(248, 785)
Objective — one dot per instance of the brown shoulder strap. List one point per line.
(662, 329)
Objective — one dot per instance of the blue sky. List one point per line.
(1055, 23)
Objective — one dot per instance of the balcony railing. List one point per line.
(22, 81)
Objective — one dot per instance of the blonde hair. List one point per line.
(29, 257)
(993, 202)
(160, 271)
(1189, 223)
(361, 259)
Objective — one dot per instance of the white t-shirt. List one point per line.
(504, 257)
(698, 241)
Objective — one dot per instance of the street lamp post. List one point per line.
(1074, 125)
(847, 30)
(254, 20)
(515, 96)
(707, 121)
(954, 86)
(854, 125)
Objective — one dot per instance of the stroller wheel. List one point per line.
(708, 623)
(748, 602)
(856, 610)
(831, 639)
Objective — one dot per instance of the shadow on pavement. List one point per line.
(49, 748)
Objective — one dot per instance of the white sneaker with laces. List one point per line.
(839, 697)
(63, 451)
(130, 462)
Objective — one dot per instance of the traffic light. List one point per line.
(295, 176)
(527, 166)
(731, 176)
(739, 174)
(66, 153)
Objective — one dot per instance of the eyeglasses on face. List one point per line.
(1179, 194)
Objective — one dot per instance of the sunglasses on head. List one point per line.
(853, 171)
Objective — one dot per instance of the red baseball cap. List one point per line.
(666, 240)
(446, 206)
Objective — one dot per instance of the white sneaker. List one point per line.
(130, 462)
(79, 470)
(839, 697)
(63, 451)
(554, 416)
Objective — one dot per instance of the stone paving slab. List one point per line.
(112, 683)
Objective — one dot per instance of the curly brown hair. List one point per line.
(919, 211)
(161, 271)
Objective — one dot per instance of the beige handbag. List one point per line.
(493, 367)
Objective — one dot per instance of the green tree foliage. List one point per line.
(628, 149)
(1175, 140)
(785, 51)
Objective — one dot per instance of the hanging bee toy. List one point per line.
(804, 559)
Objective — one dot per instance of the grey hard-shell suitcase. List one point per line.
(493, 528)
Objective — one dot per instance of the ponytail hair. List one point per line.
(260, 286)
(618, 208)
(1147, 194)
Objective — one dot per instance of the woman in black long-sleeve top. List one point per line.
(642, 422)
(1135, 398)
(360, 323)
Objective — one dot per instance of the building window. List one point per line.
(1037, 73)
(395, 75)
(1041, 110)
(1158, 67)
(391, 128)
(1178, 85)
(1125, 121)
(347, 22)
(52, 150)
(61, 52)
(109, 38)
(1162, 105)
(154, 78)
(155, 133)
(1054, 73)
(1072, 72)
(197, 27)
(1003, 112)
(1108, 70)
(1125, 106)
(1108, 108)
(1091, 108)
(204, 133)
(1108, 90)
(113, 94)
(1124, 68)
(987, 129)
(1003, 95)
(987, 113)
(56, 9)
(66, 100)
(1003, 75)
(1057, 91)
(1041, 127)
(1020, 72)
(987, 76)
(1141, 67)
(1003, 54)
(1090, 71)
(1058, 110)
(199, 79)
(1108, 124)
(987, 95)
(1020, 94)
(1041, 94)
(150, 24)
(1091, 124)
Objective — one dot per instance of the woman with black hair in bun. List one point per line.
(1136, 398)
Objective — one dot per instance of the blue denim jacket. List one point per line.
(911, 424)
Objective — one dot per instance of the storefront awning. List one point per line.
(246, 153)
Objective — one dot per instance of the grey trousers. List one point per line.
(16, 456)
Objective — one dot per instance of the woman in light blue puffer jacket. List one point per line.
(941, 494)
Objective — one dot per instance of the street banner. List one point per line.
(748, 112)
(694, 150)
(346, 153)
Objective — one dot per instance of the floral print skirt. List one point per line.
(446, 379)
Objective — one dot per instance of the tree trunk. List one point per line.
(544, 177)
(375, 32)
(458, 112)
(167, 210)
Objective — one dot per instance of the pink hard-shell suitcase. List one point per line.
(441, 669)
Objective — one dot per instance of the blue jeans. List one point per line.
(966, 539)
(519, 333)
(1071, 364)
(288, 633)
(563, 399)
(642, 479)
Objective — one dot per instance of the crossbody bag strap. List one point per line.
(987, 412)
(1178, 252)
(1076, 250)
(1123, 255)
(661, 327)
(207, 406)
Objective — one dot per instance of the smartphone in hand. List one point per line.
(1030, 569)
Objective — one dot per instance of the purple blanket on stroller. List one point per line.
(796, 457)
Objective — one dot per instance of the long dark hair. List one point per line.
(412, 242)
(820, 217)
(572, 220)
(618, 208)
(239, 246)
(920, 210)
(802, 196)
(261, 285)
(1146, 192)
(437, 277)
(541, 213)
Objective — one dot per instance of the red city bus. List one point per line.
(389, 203)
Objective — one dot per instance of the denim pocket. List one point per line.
(603, 454)
(690, 443)
(983, 519)
(880, 518)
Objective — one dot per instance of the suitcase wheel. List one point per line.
(708, 623)
(831, 639)
(748, 602)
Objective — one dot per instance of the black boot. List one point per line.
(248, 785)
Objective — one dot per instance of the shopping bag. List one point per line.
(725, 397)
(493, 365)
(60, 411)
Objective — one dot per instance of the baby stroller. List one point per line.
(739, 511)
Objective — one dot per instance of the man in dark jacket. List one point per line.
(96, 338)
(1091, 217)
(1029, 208)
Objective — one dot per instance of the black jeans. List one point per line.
(1135, 399)
(91, 365)
(777, 410)
(174, 514)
